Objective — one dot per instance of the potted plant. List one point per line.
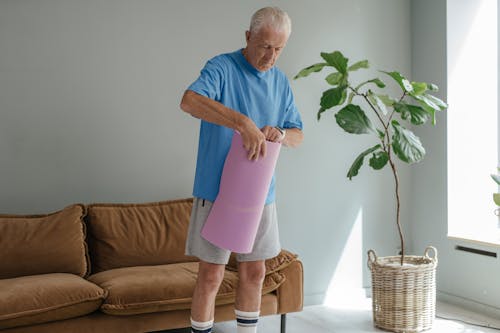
(414, 106)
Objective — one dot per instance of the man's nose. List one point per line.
(271, 53)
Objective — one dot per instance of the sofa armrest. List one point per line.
(291, 292)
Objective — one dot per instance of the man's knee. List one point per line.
(210, 276)
(252, 272)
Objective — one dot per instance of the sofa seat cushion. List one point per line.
(145, 289)
(47, 297)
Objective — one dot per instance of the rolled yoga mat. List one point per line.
(236, 213)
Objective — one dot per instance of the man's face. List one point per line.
(264, 47)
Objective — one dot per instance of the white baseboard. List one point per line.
(468, 304)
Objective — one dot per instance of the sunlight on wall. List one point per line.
(472, 118)
(346, 286)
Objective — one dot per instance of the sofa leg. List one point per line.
(283, 323)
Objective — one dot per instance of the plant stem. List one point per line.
(398, 205)
(402, 97)
(398, 220)
(393, 110)
(387, 148)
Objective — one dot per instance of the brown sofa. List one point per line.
(117, 268)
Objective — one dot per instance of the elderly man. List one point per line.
(240, 91)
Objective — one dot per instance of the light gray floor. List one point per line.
(319, 318)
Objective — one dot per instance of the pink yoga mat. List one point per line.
(236, 213)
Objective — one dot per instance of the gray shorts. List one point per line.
(267, 243)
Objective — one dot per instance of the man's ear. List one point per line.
(247, 36)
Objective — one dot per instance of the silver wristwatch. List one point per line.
(282, 131)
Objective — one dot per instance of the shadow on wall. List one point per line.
(347, 279)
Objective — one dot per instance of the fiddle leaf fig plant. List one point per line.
(393, 116)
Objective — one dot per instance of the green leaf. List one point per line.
(377, 81)
(432, 87)
(433, 115)
(333, 97)
(334, 78)
(387, 100)
(377, 102)
(337, 60)
(413, 113)
(381, 134)
(401, 80)
(379, 160)
(320, 111)
(353, 120)
(358, 162)
(496, 178)
(419, 87)
(351, 96)
(358, 65)
(431, 104)
(311, 69)
(442, 105)
(427, 101)
(424, 103)
(406, 145)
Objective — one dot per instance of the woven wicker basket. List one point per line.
(404, 297)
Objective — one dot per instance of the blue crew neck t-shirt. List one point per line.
(265, 97)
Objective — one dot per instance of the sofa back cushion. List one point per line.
(125, 235)
(41, 244)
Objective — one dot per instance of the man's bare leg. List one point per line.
(248, 295)
(209, 279)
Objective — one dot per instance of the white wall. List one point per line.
(89, 94)
(461, 277)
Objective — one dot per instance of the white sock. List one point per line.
(246, 321)
(201, 326)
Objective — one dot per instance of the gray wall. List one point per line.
(462, 277)
(89, 94)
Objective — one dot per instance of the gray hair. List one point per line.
(273, 17)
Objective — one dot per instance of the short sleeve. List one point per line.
(209, 83)
(292, 117)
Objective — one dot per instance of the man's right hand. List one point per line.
(254, 141)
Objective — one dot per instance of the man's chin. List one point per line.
(265, 68)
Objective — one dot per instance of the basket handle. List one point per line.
(433, 249)
(372, 258)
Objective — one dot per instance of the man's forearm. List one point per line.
(204, 108)
(293, 137)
